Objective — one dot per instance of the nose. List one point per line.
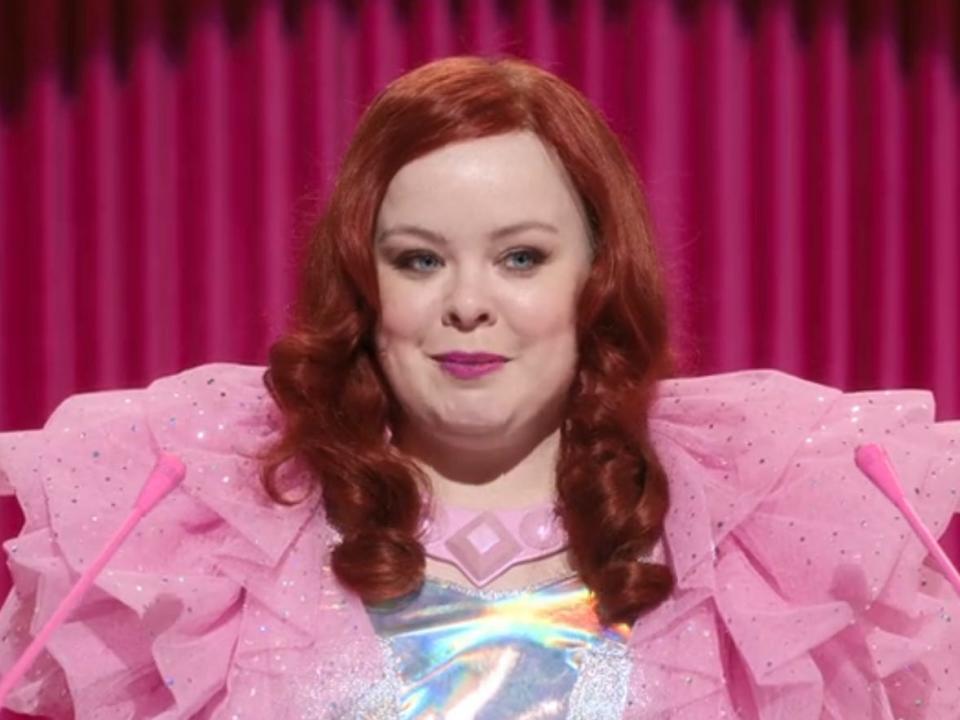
(467, 304)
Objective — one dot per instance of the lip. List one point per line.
(470, 358)
(468, 371)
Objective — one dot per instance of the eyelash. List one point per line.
(404, 262)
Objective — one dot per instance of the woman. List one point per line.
(466, 487)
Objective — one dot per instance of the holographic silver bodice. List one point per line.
(463, 654)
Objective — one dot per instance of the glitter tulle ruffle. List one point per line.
(801, 592)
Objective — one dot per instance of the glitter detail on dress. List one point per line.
(798, 584)
(601, 689)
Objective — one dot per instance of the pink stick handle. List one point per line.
(166, 475)
(876, 465)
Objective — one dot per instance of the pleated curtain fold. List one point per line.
(161, 163)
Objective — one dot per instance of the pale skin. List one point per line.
(483, 245)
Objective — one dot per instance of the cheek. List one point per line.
(546, 327)
(398, 338)
(545, 312)
(398, 322)
(405, 312)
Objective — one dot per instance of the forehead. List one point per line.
(490, 180)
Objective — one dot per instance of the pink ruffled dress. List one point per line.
(802, 593)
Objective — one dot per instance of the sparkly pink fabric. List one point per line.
(801, 592)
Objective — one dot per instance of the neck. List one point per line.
(512, 476)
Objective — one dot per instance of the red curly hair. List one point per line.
(612, 492)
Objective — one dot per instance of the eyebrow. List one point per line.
(439, 239)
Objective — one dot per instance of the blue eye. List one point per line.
(410, 262)
(523, 260)
(534, 258)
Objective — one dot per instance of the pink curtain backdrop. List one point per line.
(159, 162)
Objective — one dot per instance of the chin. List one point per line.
(477, 431)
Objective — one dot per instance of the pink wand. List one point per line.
(876, 465)
(165, 476)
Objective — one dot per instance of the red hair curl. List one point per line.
(612, 492)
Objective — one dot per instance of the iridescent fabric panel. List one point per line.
(490, 655)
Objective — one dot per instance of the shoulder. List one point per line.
(218, 586)
(97, 448)
(788, 559)
(738, 405)
(224, 389)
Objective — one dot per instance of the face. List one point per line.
(481, 246)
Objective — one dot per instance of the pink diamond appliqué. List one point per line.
(483, 538)
(483, 547)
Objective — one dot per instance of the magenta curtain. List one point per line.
(159, 162)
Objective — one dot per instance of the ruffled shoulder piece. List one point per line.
(802, 593)
(218, 606)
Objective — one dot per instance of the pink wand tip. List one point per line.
(165, 476)
(876, 465)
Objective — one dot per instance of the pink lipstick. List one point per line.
(468, 365)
